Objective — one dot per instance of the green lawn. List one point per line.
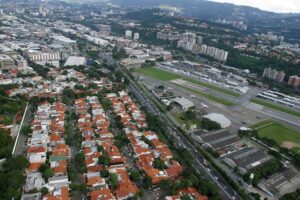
(276, 107)
(213, 87)
(157, 73)
(296, 150)
(208, 96)
(179, 117)
(260, 124)
(168, 76)
(278, 132)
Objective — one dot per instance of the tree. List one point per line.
(185, 197)
(6, 144)
(44, 191)
(147, 181)
(104, 173)
(190, 115)
(210, 125)
(113, 179)
(119, 124)
(159, 164)
(26, 130)
(80, 160)
(119, 54)
(104, 159)
(10, 182)
(263, 171)
(165, 185)
(46, 171)
(155, 124)
(16, 163)
(256, 196)
(106, 104)
(134, 175)
(83, 188)
(72, 173)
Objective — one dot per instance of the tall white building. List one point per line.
(136, 36)
(128, 34)
(203, 49)
(211, 51)
(199, 39)
(274, 74)
(221, 55)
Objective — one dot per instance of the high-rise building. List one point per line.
(136, 36)
(221, 54)
(211, 51)
(200, 40)
(294, 81)
(280, 76)
(128, 34)
(203, 49)
(274, 74)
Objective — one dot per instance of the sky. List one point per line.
(281, 6)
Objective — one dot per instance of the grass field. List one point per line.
(296, 150)
(260, 124)
(157, 73)
(277, 132)
(208, 96)
(168, 76)
(213, 87)
(276, 107)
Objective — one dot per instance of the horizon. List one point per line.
(277, 6)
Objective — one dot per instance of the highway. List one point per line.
(226, 191)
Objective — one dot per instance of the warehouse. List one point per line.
(218, 118)
(280, 183)
(219, 139)
(247, 159)
(182, 103)
(75, 61)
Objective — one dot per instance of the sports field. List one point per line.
(276, 107)
(285, 136)
(168, 76)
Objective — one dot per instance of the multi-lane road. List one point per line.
(226, 191)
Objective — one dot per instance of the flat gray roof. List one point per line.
(274, 182)
(249, 157)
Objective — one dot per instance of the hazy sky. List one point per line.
(282, 6)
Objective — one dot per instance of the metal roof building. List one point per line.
(218, 118)
(183, 103)
(75, 61)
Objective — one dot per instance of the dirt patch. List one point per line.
(290, 145)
